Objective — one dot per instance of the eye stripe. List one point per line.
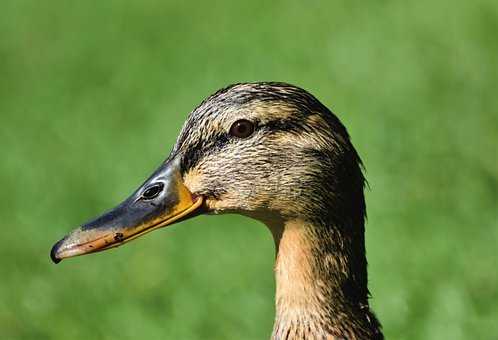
(284, 125)
(218, 140)
(203, 146)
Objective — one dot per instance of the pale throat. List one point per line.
(309, 279)
(294, 269)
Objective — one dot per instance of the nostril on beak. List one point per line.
(152, 191)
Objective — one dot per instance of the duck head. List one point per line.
(270, 151)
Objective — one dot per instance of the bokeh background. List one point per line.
(93, 94)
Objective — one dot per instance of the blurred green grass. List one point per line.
(93, 94)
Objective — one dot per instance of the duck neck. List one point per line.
(321, 283)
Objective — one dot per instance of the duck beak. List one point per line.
(162, 200)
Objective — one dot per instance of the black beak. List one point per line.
(162, 200)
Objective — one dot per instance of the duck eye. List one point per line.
(152, 191)
(242, 128)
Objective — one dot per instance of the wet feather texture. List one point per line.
(298, 173)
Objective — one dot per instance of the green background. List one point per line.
(93, 94)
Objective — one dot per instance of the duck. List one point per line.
(273, 152)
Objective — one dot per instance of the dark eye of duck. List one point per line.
(152, 191)
(242, 128)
